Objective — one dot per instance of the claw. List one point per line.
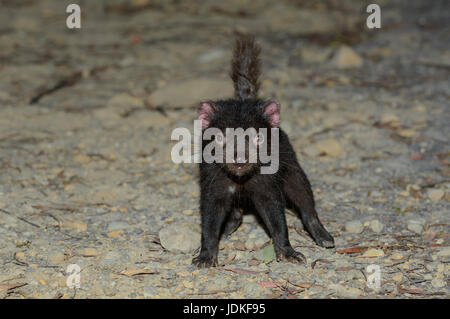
(292, 256)
(205, 261)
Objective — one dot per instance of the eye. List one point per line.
(259, 139)
(219, 138)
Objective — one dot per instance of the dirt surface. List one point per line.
(86, 176)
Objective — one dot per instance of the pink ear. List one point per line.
(272, 111)
(206, 110)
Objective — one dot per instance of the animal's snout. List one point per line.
(240, 160)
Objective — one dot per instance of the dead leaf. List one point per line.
(270, 284)
(137, 272)
(301, 284)
(254, 262)
(10, 287)
(412, 290)
(352, 250)
(230, 258)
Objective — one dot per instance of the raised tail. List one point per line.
(246, 68)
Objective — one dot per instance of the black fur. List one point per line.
(245, 68)
(268, 195)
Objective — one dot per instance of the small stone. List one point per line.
(180, 237)
(406, 132)
(329, 147)
(390, 118)
(115, 233)
(435, 194)
(346, 57)
(416, 225)
(78, 226)
(188, 284)
(354, 227)
(376, 226)
(397, 256)
(187, 212)
(212, 55)
(371, 253)
(398, 277)
(438, 283)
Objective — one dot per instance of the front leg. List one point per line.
(213, 208)
(270, 205)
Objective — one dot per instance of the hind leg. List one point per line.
(270, 206)
(233, 222)
(298, 190)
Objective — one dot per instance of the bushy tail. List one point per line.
(246, 68)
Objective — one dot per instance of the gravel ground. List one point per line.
(86, 118)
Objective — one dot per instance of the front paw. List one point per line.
(325, 240)
(205, 261)
(326, 243)
(290, 255)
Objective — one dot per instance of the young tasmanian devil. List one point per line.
(228, 189)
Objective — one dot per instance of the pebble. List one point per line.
(397, 256)
(398, 277)
(390, 118)
(376, 226)
(212, 55)
(78, 226)
(416, 225)
(180, 237)
(346, 57)
(355, 227)
(438, 283)
(435, 194)
(329, 147)
(374, 253)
